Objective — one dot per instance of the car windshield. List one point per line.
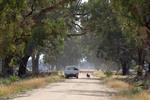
(72, 68)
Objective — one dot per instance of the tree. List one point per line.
(22, 15)
(135, 17)
(10, 30)
(113, 45)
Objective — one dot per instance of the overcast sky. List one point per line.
(84, 1)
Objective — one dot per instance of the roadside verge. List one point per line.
(21, 86)
(125, 86)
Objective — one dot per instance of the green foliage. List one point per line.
(49, 35)
(33, 74)
(54, 73)
(14, 62)
(108, 73)
(10, 27)
(138, 84)
(16, 23)
(136, 68)
(13, 78)
(51, 30)
(107, 40)
(129, 12)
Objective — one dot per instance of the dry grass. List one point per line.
(120, 85)
(119, 77)
(16, 87)
(98, 74)
(144, 95)
(116, 81)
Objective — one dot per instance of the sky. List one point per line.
(84, 1)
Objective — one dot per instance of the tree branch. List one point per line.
(51, 8)
(76, 24)
(140, 20)
(3, 11)
(70, 14)
(69, 35)
(30, 12)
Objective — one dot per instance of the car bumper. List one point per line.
(71, 75)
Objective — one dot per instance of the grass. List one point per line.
(23, 85)
(127, 91)
(120, 85)
(143, 95)
(98, 74)
(114, 81)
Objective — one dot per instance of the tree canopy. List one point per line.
(67, 31)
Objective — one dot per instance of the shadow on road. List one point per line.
(90, 78)
(81, 82)
(88, 92)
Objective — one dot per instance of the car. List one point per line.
(71, 71)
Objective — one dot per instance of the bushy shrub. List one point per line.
(108, 73)
(13, 78)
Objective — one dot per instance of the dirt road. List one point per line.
(71, 89)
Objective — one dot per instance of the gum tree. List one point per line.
(17, 19)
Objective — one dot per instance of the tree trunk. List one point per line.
(140, 62)
(52, 67)
(125, 69)
(24, 60)
(140, 72)
(141, 57)
(57, 66)
(6, 69)
(149, 68)
(128, 67)
(35, 63)
(22, 66)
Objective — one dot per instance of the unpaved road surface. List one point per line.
(71, 89)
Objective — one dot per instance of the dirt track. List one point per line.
(71, 89)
